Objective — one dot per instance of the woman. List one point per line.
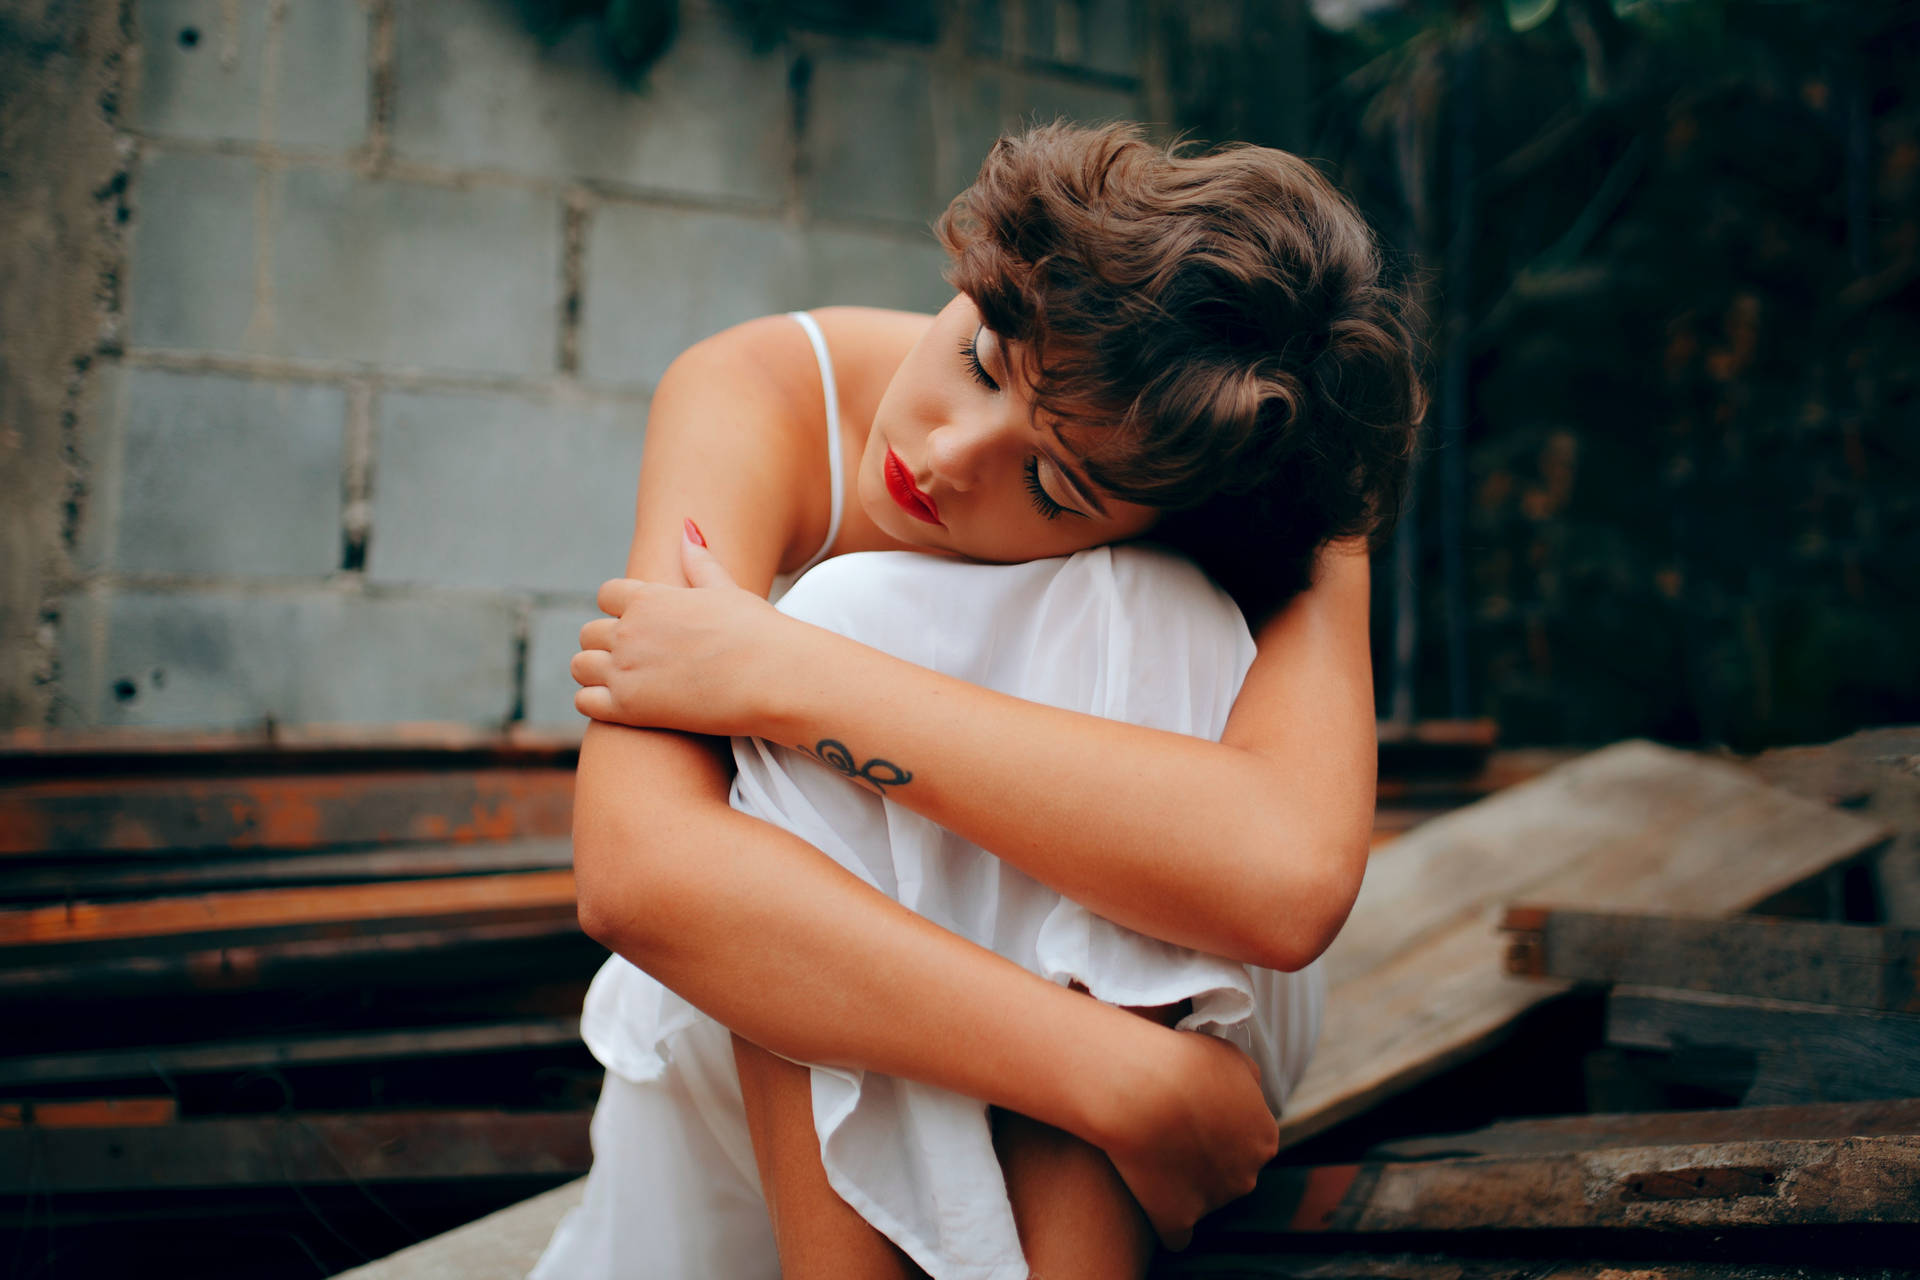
(1200, 348)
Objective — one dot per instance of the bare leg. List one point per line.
(818, 1234)
(1076, 1217)
(1077, 1220)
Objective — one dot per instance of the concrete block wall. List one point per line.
(398, 280)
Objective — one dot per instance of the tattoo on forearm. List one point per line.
(833, 753)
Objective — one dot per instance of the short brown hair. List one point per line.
(1222, 317)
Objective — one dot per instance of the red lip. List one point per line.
(901, 488)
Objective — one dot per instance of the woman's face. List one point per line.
(956, 463)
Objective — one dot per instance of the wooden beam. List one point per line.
(398, 953)
(1348, 1265)
(354, 906)
(90, 878)
(41, 753)
(1801, 1052)
(1553, 1135)
(303, 811)
(173, 1061)
(1416, 977)
(1673, 1187)
(89, 1113)
(315, 1149)
(1861, 966)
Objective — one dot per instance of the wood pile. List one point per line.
(1743, 1089)
(282, 1004)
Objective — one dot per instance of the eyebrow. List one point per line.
(1078, 482)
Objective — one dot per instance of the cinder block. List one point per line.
(975, 107)
(204, 69)
(659, 280)
(190, 283)
(213, 475)
(876, 270)
(1099, 35)
(221, 660)
(868, 148)
(475, 89)
(502, 491)
(1028, 97)
(403, 274)
(970, 119)
(898, 19)
(552, 640)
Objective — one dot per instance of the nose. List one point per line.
(960, 452)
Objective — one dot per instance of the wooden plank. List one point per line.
(317, 1149)
(1349, 1265)
(1861, 966)
(89, 1113)
(277, 748)
(1561, 1134)
(466, 899)
(92, 878)
(303, 811)
(1671, 1187)
(1801, 1052)
(401, 952)
(174, 1061)
(1416, 977)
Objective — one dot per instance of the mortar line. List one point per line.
(356, 479)
(380, 86)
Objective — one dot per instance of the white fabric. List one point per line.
(1125, 632)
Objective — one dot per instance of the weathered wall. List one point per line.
(331, 324)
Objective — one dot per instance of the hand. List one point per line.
(692, 658)
(1198, 1140)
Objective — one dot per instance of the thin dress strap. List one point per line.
(834, 465)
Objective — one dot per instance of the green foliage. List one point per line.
(1675, 248)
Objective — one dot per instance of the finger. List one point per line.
(702, 567)
(1176, 1239)
(591, 667)
(597, 634)
(616, 594)
(596, 701)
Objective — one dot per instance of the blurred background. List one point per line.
(327, 332)
(329, 326)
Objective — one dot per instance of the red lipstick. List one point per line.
(903, 490)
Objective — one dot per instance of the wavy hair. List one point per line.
(1217, 331)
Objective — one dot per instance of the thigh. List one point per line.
(817, 1233)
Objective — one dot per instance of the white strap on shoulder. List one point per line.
(836, 483)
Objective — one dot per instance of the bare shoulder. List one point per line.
(733, 443)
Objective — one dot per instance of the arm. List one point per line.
(1252, 847)
(772, 938)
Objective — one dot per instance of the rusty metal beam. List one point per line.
(353, 907)
(314, 811)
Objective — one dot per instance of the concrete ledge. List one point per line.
(500, 1246)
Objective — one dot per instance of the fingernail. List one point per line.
(694, 535)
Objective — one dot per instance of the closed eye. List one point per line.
(1043, 501)
(970, 352)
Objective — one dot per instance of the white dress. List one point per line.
(1131, 633)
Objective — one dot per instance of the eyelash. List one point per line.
(1045, 505)
(971, 354)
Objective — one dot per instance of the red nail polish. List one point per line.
(694, 534)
